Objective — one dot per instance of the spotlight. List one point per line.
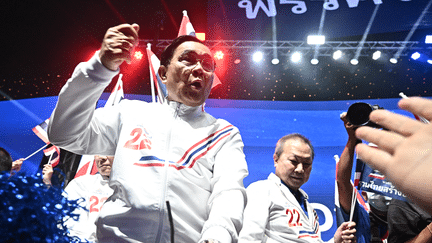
(275, 61)
(354, 62)
(376, 55)
(219, 55)
(314, 61)
(296, 57)
(415, 56)
(337, 54)
(316, 39)
(138, 55)
(428, 39)
(257, 56)
(393, 60)
(429, 61)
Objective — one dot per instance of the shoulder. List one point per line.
(261, 185)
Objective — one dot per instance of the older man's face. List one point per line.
(294, 165)
(104, 164)
(189, 76)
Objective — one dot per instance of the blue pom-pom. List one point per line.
(32, 212)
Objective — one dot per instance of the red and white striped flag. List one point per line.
(41, 131)
(155, 80)
(53, 154)
(117, 93)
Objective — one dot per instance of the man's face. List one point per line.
(189, 76)
(294, 165)
(104, 164)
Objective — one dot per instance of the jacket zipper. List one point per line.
(166, 163)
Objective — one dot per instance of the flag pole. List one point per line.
(353, 200)
(424, 120)
(151, 75)
(49, 161)
(36, 152)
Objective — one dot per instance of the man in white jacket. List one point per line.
(277, 209)
(178, 172)
(94, 191)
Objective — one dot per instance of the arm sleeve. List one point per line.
(256, 213)
(73, 124)
(228, 197)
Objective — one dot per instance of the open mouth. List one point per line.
(196, 85)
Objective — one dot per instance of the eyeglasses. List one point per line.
(191, 59)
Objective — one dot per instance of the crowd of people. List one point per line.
(178, 172)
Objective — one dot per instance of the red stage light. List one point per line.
(219, 55)
(138, 55)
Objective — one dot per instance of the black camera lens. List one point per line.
(358, 113)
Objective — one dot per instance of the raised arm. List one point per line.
(345, 165)
(72, 125)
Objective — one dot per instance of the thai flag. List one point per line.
(155, 80)
(186, 28)
(41, 131)
(339, 215)
(117, 93)
(53, 153)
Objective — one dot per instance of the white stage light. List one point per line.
(393, 60)
(257, 56)
(429, 61)
(275, 61)
(415, 55)
(316, 39)
(337, 54)
(376, 55)
(296, 57)
(428, 39)
(314, 61)
(354, 61)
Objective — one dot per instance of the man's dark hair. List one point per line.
(293, 136)
(5, 160)
(168, 53)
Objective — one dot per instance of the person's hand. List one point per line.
(345, 233)
(47, 173)
(118, 45)
(16, 165)
(350, 128)
(404, 154)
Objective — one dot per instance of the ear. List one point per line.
(162, 71)
(275, 160)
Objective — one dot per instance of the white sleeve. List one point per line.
(72, 125)
(228, 197)
(256, 213)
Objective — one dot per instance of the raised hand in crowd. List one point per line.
(404, 153)
(118, 44)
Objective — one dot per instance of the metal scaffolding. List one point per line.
(284, 48)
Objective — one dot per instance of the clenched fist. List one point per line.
(118, 44)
